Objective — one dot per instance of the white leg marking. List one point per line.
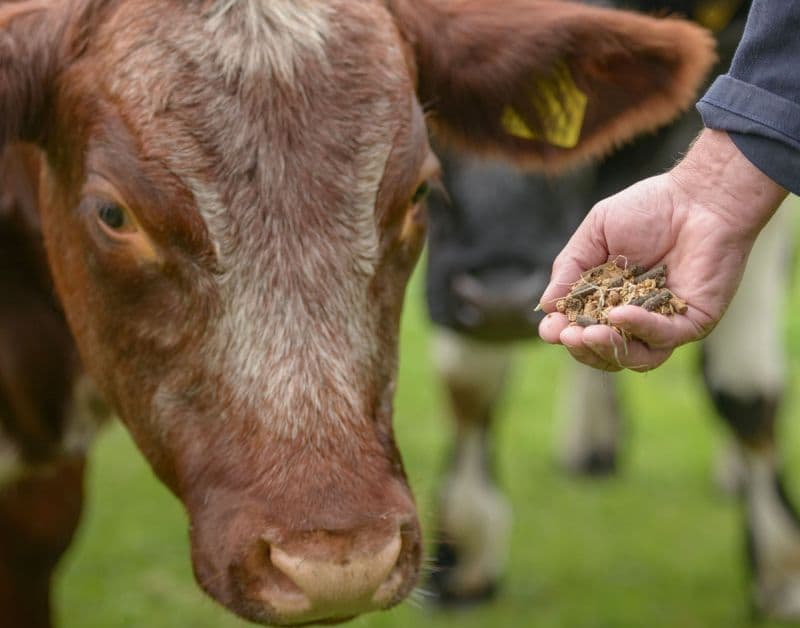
(745, 353)
(466, 362)
(591, 423)
(776, 539)
(730, 471)
(475, 516)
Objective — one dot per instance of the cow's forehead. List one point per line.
(254, 36)
(295, 100)
(284, 147)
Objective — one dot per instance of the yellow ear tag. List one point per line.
(715, 15)
(559, 105)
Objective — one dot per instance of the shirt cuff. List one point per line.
(778, 161)
(763, 125)
(733, 105)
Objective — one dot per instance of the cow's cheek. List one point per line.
(65, 253)
(125, 375)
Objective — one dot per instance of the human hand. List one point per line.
(700, 220)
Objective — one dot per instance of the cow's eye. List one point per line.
(113, 216)
(120, 227)
(422, 193)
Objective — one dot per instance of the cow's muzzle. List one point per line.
(326, 575)
(294, 573)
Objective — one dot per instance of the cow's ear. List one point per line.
(549, 83)
(28, 61)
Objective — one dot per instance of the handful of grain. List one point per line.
(608, 285)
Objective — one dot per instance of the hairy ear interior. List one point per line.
(549, 83)
(28, 58)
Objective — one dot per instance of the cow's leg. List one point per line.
(39, 512)
(474, 516)
(48, 412)
(744, 368)
(591, 434)
(40, 507)
(729, 468)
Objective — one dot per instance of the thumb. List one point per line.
(582, 252)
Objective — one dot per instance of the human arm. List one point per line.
(700, 219)
(758, 101)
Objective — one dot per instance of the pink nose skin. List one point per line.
(329, 576)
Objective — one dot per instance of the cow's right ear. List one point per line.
(28, 60)
(548, 83)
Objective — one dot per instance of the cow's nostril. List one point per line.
(402, 578)
(260, 579)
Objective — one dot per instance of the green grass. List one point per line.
(655, 547)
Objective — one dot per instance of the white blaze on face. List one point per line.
(252, 35)
(295, 231)
(239, 39)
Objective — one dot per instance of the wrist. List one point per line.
(717, 176)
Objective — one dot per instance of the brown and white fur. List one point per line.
(227, 197)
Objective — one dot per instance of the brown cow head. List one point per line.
(231, 199)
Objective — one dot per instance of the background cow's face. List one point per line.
(232, 206)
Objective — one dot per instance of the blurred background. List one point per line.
(657, 545)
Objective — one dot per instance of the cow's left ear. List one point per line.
(549, 83)
(29, 37)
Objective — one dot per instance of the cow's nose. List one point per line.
(332, 575)
(336, 588)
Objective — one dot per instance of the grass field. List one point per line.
(656, 547)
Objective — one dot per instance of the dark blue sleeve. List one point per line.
(758, 101)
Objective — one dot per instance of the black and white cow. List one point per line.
(491, 245)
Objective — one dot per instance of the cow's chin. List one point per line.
(288, 575)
